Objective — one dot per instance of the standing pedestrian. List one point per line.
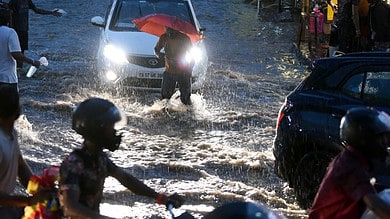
(20, 20)
(177, 68)
(333, 38)
(13, 166)
(10, 51)
(379, 16)
(83, 172)
(347, 189)
(348, 24)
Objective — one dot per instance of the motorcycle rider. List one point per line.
(348, 188)
(83, 171)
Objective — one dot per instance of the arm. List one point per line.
(21, 201)
(377, 205)
(43, 11)
(21, 57)
(334, 6)
(15, 200)
(132, 183)
(24, 172)
(140, 188)
(71, 206)
(159, 45)
(355, 18)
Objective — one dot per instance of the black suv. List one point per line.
(307, 130)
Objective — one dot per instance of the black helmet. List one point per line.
(242, 210)
(92, 117)
(360, 128)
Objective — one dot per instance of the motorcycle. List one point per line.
(234, 210)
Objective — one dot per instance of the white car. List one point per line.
(126, 56)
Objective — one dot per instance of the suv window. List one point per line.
(376, 87)
(353, 87)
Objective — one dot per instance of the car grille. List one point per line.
(147, 62)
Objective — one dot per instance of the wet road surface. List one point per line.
(220, 151)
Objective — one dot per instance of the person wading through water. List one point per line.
(177, 68)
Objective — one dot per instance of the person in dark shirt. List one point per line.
(379, 16)
(348, 24)
(20, 20)
(83, 171)
(348, 188)
(177, 69)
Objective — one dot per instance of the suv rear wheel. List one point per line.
(308, 176)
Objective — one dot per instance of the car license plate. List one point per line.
(149, 75)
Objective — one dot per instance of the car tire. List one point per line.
(308, 176)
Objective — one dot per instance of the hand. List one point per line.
(56, 13)
(42, 195)
(159, 55)
(36, 63)
(175, 199)
(335, 8)
(358, 33)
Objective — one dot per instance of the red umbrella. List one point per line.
(155, 24)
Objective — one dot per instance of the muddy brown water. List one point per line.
(221, 151)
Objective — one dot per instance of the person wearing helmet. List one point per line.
(242, 210)
(83, 171)
(348, 188)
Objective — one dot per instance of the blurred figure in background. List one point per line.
(364, 43)
(347, 188)
(379, 17)
(333, 38)
(348, 24)
(12, 164)
(20, 20)
(9, 51)
(83, 171)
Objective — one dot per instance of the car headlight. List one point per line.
(115, 54)
(111, 76)
(195, 54)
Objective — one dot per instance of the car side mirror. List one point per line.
(97, 21)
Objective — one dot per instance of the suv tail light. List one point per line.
(282, 112)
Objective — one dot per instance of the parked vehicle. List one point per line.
(307, 130)
(126, 58)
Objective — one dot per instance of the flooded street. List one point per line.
(220, 151)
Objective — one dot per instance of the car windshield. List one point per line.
(127, 10)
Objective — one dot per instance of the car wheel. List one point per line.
(308, 176)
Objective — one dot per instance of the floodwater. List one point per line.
(219, 151)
